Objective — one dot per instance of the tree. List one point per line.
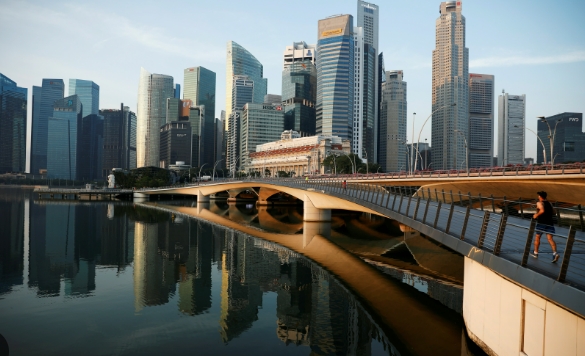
(342, 163)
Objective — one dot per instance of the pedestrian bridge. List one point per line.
(512, 302)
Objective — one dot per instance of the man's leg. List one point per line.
(537, 243)
(554, 247)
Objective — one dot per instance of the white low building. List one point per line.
(301, 155)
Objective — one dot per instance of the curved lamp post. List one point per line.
(423, 126)
(200, 168)
(551, 137)
(216, 162)
(539, 139)
(466, 150)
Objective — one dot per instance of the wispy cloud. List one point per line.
(508, 61)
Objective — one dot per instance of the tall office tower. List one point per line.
(153, 91)
(218, 155)
(511, 124)
(242, 93)
(565, 132)
(381, 79)
(450, 85)
(242, 62)
(481, 120)
(299, 88)
(43, 99)
(261, 123)
(335, 77)
(196, 119)
(88, 93)
(13, 105)
(62, 138)
(367, 20)
(177, 91)
(90, 148)
(393, 153)
(175, 143)
(119, 150)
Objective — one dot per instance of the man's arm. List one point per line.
(539, 210)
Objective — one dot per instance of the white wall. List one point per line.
(511, 320)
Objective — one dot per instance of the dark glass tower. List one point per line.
(62, 138)
(119, 139)
(90, 146)
(13, 105)
(44, 97)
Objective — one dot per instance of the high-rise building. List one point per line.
(199, 87)
(175, 143)
(177, 91)
(242, 93)
(44, 97)
(511, 129)
(450, 85)
(260, 123)
(119, 139)
(335, 77)
(393, 152)
(90, 146)
(88, 93)
(153, 92)
(481, 120)
(219, 133)
(196, 120)
(62, 138)
(242, 62)
(566, 135)
(13, 106)
(367, 73)
(381, 79)
(299, 88)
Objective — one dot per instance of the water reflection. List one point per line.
(205, 271)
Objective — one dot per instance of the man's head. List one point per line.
(542, 194)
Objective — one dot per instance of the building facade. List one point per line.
(299, 88)
(335, 77)
(296, 155)
(88, 93)
(175, 143)
(44, 97)
(119, 150)
(393, 153)
(568, 138)
(153, 91)
(481, 120)
(90, 148)
(13, 117)
(63, 137)
(260, 123)
(511, 129)
(450, 85)
(242, 93)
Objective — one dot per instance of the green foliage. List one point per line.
(343, 163)
(143, 177)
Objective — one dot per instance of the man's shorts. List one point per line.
(543, 228)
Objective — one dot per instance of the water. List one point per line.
(131, 279)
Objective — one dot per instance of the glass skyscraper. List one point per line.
(44, 97)
(335, 77)
(393, 152)
(568, 138)
(199, 87)
(153, 92)
(90, 148)
(481, 120)
(62, 138)
(119, 139)
(299, 88)
(242, 62)
(13, 106)
(511, 129)
(88, 93)
(260, 123)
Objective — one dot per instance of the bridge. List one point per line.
(512, 303)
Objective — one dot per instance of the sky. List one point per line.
(532, 47)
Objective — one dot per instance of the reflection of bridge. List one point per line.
(511, 303)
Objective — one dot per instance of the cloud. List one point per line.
(508, 61)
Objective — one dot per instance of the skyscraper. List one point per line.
(175, 143)
(13, 106)
(88, 93)
(335, 77)
(62, 138)
(511, 129)
(119, 139)
(568, 138)
(199, 87)
(242, 62)
(393, 152)
(367, 21)
(481, 120)
(153, 91)
(90, 148)
(242, 93)
(299, 88)
(43, 99)
(260, 123)
(450, 85)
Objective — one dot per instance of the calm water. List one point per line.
(124, 279)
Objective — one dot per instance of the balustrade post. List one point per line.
(469, 197)
(581, 217)
(388, 201)
(408, 205)
(483, 231)
(437, 215)
(460, 200)
(465, 220)
(521, 207)
(505, 206)
(423, 192)
(380, 197)
(500, 236)
(430, 195)
(558, 211)
(451, 193)
(450, 217)
(436, 195)
(493, 204)
(567, 254)
(394, 202)
(400, 204)
(480, 201)
(426, 210)
(528, 244)
(416, 208)
(443, 194)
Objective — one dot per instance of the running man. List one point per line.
(544, 224)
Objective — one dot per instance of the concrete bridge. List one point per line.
(513, 304)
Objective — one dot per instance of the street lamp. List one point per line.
(353, 164)
(466, 150)
(423, 126)
(551, 136)
(366, 153)
(200, 168)
(407, 155)
(538, 137)
(412, 148)
(216, 162)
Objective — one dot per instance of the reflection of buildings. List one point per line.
(11, 243)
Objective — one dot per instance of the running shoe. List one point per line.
(555, 257)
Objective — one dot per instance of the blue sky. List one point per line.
(533, 47)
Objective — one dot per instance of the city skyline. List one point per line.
(548, 70)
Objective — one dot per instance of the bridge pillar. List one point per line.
(312, 229)
(140, 197)
(311, 213)
(202, 198)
